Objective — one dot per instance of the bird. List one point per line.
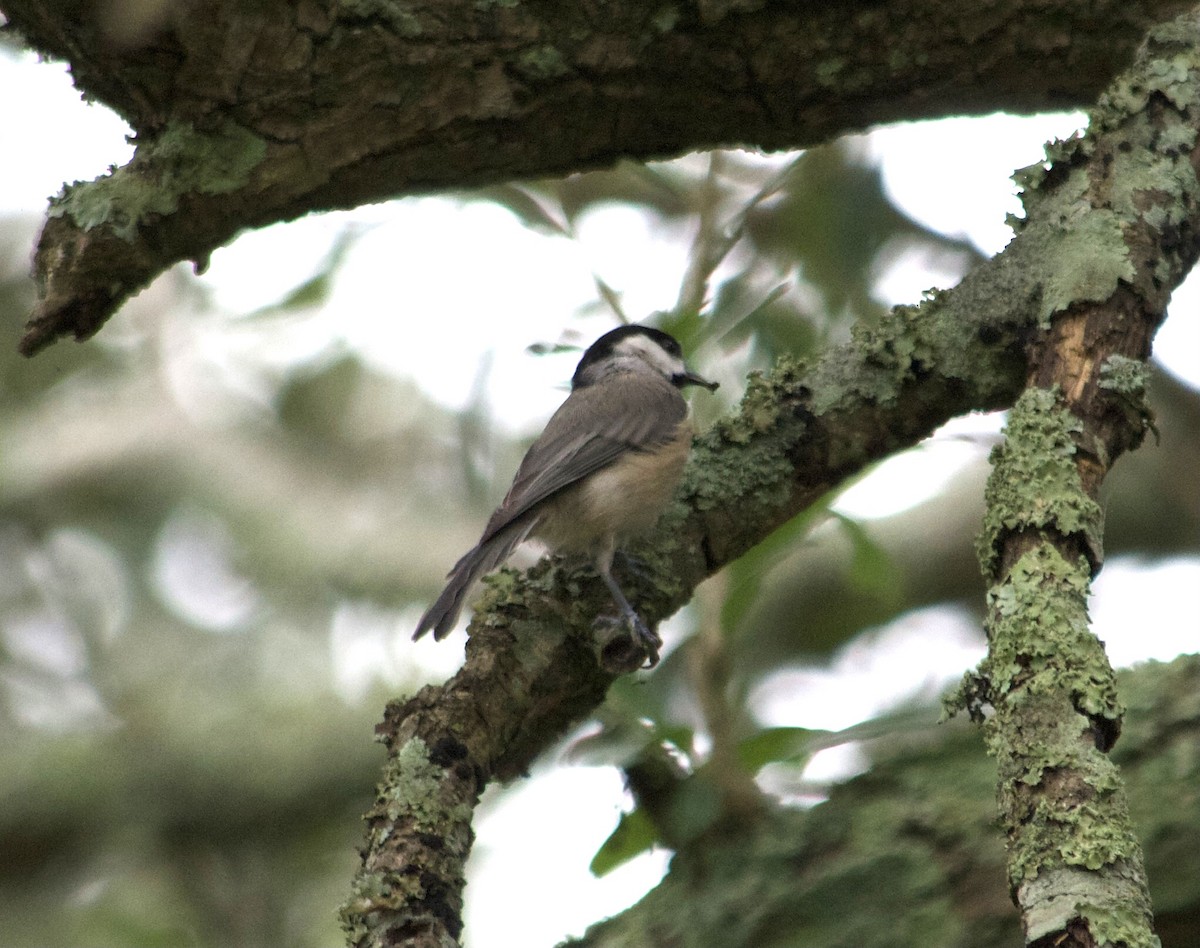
(601, 472)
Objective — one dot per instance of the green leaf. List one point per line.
(871, 568)
(549, 348)
(634, 835)
(314, 291)
(618, 741)
(529, 208)
(748, 572)
(777, 744)
(905, 720)
(664, 189)
(795, 745)
(680, 736)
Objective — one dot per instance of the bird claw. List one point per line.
(639, 648)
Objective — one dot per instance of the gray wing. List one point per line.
(590, 430)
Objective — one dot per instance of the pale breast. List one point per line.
(621, 500)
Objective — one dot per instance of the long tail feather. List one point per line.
(477, 562)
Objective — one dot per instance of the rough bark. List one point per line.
(246, 114)
(1075, 865)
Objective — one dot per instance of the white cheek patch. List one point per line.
(641, 347)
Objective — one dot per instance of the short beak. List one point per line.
(691, 378)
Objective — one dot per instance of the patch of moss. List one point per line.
(179, 161)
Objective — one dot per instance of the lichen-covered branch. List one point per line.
(530, 669)
(289, 107)
(1075, 865)
(184, 193)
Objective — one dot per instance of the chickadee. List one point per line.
(601, 472)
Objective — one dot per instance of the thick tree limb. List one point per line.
(1075, 865)
(247, 114)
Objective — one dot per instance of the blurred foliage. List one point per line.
(905, 856)
(212, 553)
(695, 800)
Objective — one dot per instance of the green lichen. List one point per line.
(758, 471)
(750, 894)
(758, 474)
(1035, 483)
(902, 341)
(1177, 137)
(1090, 257)
(1040, 639)
(1172, 71)
(1058, 153)
(505, 604)
(828, 70)
(177, 162)
(1066, 149)
(1052, 690)
(939, 336)
(369, 893)
(762, 404)
(881, 358)
(502, 588)
(1030, 177)
(543, 62)
(1125, 376)
(1081, 248)
(1049, 681)
(1113, 927)
(397, 16)
(665, 19)
(1155, 183)
(1096, 839)
(411, 790)
(411, 795)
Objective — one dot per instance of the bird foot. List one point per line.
(629, 644)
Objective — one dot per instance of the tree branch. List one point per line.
(286, 108)
(1075, 865)
(1114, 243)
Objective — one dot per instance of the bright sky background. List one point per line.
(435, 327)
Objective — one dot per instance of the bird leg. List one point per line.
(642, 633)
(633, 564)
